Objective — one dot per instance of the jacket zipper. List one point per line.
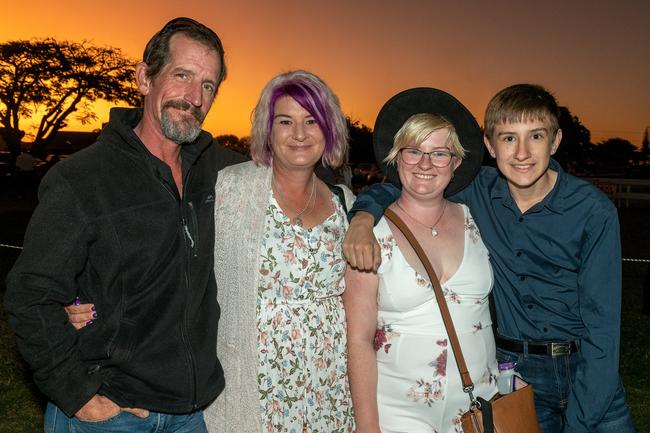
(187, 237)
(189, 249)
(195, 225)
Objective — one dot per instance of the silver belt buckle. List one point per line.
(560, 349)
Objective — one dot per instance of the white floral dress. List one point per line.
(302, 371)
(419, 387)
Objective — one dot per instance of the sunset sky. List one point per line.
(594, 55)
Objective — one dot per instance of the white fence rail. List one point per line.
(623, 191)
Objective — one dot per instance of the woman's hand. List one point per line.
(360, 246)
(80, 315)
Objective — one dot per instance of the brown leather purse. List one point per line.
(510, 413)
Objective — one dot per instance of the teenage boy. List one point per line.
(555, 251)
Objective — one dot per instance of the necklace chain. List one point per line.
(296, 218)
(434, 232)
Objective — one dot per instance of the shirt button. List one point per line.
(521, 219)
(545, 329)
(522, 277)
(530, 307)
(518, 253)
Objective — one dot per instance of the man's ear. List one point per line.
(489, 147)
(141, 79)
(556, 141)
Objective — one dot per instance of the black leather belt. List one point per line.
(550, 349)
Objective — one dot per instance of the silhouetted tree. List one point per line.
(645, 146)
(235, 143)
(575, 153)
(360, 142)
(50, 80)
(615, 152)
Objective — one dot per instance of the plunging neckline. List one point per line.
(418, 274)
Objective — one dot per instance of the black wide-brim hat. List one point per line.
(400, 107)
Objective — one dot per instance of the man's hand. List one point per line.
(360, 247)
(100, 408)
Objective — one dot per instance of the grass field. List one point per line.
(21, 405)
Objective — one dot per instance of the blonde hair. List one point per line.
(417, 128)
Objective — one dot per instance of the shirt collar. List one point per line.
(553, 199)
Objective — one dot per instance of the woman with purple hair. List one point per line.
(279, 267)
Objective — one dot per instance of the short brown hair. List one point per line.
(156, 53)
(522, 102)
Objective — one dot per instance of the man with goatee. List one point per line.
(127, 224)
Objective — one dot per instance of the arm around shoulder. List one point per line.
(375, 200)
(360, 246)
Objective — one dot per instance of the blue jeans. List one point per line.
(551, 378)
(58, 422)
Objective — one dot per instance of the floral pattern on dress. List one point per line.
(383, 335)
(470, 227)
(450, 295)
(420, 367)
(456, 421)
(386, 245)
(302, 371)
(429, 391)
(489, 377)
(440, 363)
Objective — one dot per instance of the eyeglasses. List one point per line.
(438, 158)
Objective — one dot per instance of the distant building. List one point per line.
(68, 142)
(64, 142)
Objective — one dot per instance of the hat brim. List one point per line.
(429, 100)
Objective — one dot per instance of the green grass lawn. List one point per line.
(22, 405)
(20, 402)
(635, 356)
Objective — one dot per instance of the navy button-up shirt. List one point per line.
(557, 274)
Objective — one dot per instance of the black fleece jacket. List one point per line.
(111, 228)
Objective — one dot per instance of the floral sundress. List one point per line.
(302, 371)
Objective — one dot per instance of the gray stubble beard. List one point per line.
(181, 131)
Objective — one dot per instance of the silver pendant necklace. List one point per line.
(296, 218)
(434, 232)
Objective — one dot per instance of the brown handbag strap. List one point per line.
(440, 297)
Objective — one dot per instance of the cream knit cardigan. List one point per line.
(241, 199)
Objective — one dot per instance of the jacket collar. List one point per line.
(121, 126)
